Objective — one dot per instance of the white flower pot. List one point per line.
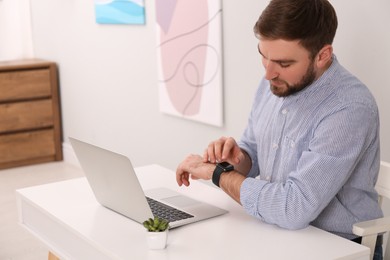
(157, 240)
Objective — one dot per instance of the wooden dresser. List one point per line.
(30, 124)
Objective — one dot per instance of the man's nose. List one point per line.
(270, 70)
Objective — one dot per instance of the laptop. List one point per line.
(115, 184)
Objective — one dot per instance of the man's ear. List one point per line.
(324, 56)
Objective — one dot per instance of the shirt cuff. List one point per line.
(250, 195)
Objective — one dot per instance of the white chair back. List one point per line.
(383, 188)
(370, 229)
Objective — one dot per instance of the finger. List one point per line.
(185, 179)
(218, 148)
(228, 147)
(179, 179)
(179, 175)
(210, 153)
(206, 156)
(240, 157)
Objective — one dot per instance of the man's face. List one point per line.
(288, 66)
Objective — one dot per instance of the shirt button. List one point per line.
(275, 146)
(268, 178)
(284, 111)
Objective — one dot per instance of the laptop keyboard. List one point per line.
(166, 212)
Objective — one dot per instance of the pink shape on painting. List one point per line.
(183, 52)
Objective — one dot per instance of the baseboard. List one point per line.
(69, 155)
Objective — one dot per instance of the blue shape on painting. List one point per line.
(119, 12)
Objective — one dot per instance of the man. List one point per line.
(310, 152)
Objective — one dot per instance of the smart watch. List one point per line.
(219, 169)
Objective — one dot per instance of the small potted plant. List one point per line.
(157, 235)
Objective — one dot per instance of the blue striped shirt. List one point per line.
(315, 155)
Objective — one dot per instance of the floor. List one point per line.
(15, 242)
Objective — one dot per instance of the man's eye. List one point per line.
(284, 65)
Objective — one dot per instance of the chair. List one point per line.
(52, 256)
(369, 230)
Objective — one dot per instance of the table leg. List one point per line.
(52, 256)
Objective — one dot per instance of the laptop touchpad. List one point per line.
(180, 201)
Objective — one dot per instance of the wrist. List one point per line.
(210, 170)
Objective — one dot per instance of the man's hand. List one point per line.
(193, 166)
(225, 149)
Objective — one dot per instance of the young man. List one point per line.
(310, 152)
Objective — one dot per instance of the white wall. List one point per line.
(108, 74)
(15, 30)
(362, 45)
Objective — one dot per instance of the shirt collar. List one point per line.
(321, 81)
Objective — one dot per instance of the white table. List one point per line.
(67, 218)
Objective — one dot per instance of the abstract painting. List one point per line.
(120, 11)
(189, 52)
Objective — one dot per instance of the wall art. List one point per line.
(120, 11)
(189, 53)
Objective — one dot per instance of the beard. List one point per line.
(281, 88)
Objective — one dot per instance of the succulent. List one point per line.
(156, 224)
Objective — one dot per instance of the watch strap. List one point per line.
(219, 169)
(217, 175)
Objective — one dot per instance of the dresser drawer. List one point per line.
(26, 148)
(27, 115)
(24, 84)
(30, 120)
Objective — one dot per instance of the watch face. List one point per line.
(226, 166)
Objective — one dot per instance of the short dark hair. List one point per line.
(312, 22)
